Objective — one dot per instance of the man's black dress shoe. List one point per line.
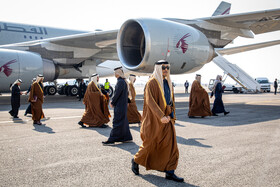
(225, 113)
(82, 124)
(191, 116)
(108, 143)
(135, 167)
(173, 177)
(214, 114)
(11, 113)
(103, 126)
(37, 123)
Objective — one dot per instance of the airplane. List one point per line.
(27, 50)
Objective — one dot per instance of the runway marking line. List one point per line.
(68, 117)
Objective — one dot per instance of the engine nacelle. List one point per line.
(142, 42)
(25, 66)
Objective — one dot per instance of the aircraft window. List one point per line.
(36, 37)
(25, 36)
(41, 38)
(30, 37)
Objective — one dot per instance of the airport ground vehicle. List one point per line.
(265, 84)
(227, 87)
(71, 88)
(50, 88)
(68, 89)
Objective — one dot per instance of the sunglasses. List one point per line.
(165, 67)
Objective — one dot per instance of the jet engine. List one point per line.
(25, 66)
(142, 42)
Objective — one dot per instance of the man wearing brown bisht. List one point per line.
(36, 98)
(159, 149)
(96, 106)
(133, 115)
(199, 104)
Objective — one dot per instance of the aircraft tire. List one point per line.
(111, 91)
(51, 90)
(73, 90)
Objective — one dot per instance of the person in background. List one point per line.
(81, 89)
(15, 98)
(159, 149)
(120, 131)
(275, 86)
(199, 104)
(186, 86)
(133, 115)
(218, 106)
(28, 109)
(96, 106)
(107, 86)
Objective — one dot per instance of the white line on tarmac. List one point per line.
(15, 121)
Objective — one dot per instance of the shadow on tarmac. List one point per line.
(19, 121)
(192, 142)
(103, 131)
(43, 128)
(161, 181)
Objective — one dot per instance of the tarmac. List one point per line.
(240, 149)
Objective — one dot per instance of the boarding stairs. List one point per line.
(237, 74)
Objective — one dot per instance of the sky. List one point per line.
(89, 15)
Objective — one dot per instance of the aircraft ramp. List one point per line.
(237, 74)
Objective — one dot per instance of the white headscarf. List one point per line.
(218, 80)
(131, 78)
(157, 74)
(119, 71)
(16, 82)
(198, 78)
(39, 78)
(94, 79)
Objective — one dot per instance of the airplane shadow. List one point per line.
(161, 181)
(43, 128)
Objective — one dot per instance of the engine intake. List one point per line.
(142, 42)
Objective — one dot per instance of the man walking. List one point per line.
(28, 109)
(36, 98)
(199, 104)
(133, 115)
(159, 149)
(96, 111)
(186, 86)
(275, 86)
(15, 98)
(81, 89)
(120, 131)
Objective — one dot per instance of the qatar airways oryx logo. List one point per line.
(182, 43)
(6, 68)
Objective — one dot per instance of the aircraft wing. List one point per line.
(239, 49)
(258, 22)
(222, 29)
(93, 40)
(73, 49)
